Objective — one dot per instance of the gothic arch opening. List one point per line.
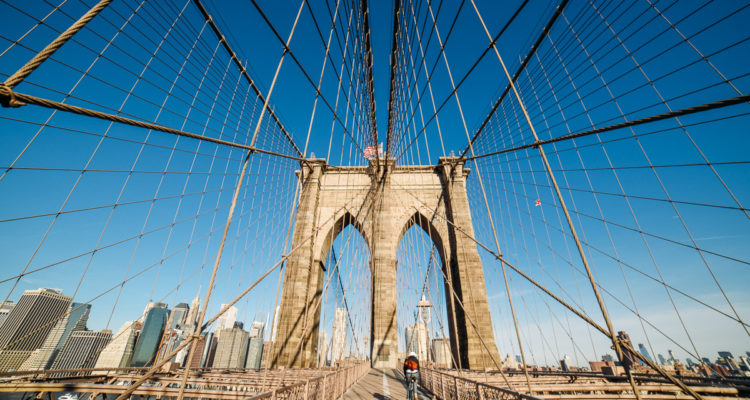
(345, 261)
(423, 317)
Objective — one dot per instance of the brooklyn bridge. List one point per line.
(255, 199)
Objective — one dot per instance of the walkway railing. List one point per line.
(451, 387)
(221, 384)
(327, 387)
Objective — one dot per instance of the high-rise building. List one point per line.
(178, 316)
(418, 340)
(81, 349)
(148, 308)
(323, 350)
(441, 352)
(745, 362)
(644, 352)
(150, 336)
(338, 339)
(28, 325)
(118, 353)
(629, 357)
(662, 361)
(171, 338)
(226, 320)
(608, 357)
(191, 320)
(275, 323)
(74, 321)
(255, 345)
(231, 348)
(197, 356)
(706, 360)
(5, 309)
(565, 363)
(209, 353)
(672, 358)
(724, 354)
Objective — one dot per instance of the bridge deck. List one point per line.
(379, 384)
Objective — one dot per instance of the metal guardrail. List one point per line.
(452, 387)
(327, 387)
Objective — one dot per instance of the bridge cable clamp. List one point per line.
(8, 97)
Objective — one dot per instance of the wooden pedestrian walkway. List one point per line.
(380, 385)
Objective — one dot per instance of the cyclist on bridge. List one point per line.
(411, 374)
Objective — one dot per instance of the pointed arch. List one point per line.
(332, 232)
(420, 220)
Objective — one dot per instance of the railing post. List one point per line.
(480, 392)
(325, 380)
(307, 389)
(442, 386)
(455, 385)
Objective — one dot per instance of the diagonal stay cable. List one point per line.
(305, 73)
(8, 97)
(242, 68)
(521, 67)
(471, 69)
(685, 111)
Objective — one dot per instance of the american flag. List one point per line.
(369, 152)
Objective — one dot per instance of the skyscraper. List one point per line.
(255, 346)
(198, 351)
(662, 361)
(724, 354)
(81, 349)
(231, 348)
(28, 325)
(191, 320)
(148, 308)
(178, 316)
(170, 339)
(226, 320)
(74, 321)
(338, 339)
(644, 352)
(441, 352)
(150, 337)
(672, 358)
(275, 324)
(417, 340)
(210, 350)
(119, 352)
(5, 309)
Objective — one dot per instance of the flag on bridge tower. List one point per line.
(538, 203)
(369, 152)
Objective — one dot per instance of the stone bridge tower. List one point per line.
(382, 201)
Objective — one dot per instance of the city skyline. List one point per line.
(83, 311)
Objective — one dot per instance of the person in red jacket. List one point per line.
(411, 372)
